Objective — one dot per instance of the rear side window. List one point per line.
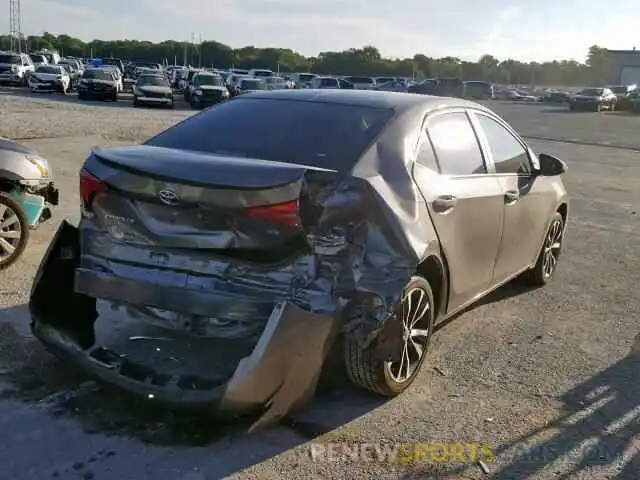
(325, 135)
(455, 144)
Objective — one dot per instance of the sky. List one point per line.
(531, 30)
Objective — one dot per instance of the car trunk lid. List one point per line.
(181, 199)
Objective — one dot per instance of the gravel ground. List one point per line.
(551, 368)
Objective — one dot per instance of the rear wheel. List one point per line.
(14, 231)
(415, 315)
(545, 267)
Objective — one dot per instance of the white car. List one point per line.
(118, 75)
(49, 78)
(15, 68)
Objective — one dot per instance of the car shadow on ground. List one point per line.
(125, 99)
(32, 376)
(599, 429)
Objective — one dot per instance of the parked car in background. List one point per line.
(303, 80)
(114, 62)
(274, 224)
(152, 90)
(275, 83)
(117, 75)
(399, 85)
(38, 59)
(15, 68)
(477, 90)
(322, 82)
(50, 78)
(249, 84)
(207, 89)
(594, 99)
(52, 56)
(260, 73)
(557, 97)
(361, 83)
(629, 101)
(98, 83)
(27, 195)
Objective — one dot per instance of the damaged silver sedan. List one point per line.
(217, 264)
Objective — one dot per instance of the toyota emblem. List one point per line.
(168, 197)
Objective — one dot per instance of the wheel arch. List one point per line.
(434, 269)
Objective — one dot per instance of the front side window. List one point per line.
(509, 156)
(455, 144)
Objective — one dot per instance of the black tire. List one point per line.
(114, 97)
(81, 96)
(538, 275)
(195, 106)
(136, 103)
(366, 367)
(7, 201)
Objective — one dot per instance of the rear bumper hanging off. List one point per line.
(281, 372)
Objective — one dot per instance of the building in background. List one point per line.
(624, 67)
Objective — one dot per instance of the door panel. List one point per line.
(527, 198)
(465, 204)
(525, 223)
(467, 215)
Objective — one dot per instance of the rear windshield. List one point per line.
(591, 92)
(98, 74)
(306, 77)
(622, 89)
(209, 80)
(38, 58)
(11, 59)
(152, 80)
(323, 135)
(253, 85)
(48, 69)
(262, 73)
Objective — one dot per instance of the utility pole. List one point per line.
(15, 25)
(200, 51)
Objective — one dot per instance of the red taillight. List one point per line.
(287, 213)
(89, 186)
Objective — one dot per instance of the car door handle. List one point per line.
(511, 196)
(444, 203)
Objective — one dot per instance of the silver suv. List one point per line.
(15, 67)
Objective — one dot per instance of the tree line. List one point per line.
(354, 61)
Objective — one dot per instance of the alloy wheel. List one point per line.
(552, 247)
(10, 232)
(414, 307)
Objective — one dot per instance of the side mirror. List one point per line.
(551, 166)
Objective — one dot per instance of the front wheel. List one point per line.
(411, 329)
(545, 267)
(14, 231)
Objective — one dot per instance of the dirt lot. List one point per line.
(553, 368)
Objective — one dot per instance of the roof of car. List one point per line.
(369, 98)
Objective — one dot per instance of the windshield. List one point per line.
(252, 85)
(38, 58)
(11, 59)
(279, 130)
(152, 80)
(48, 69)
(208, 80)
(97, 75)
(591, 92)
